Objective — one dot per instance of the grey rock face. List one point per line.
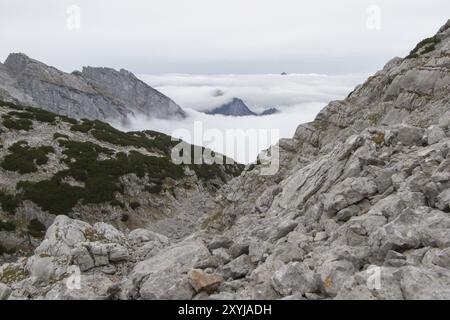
(164, 276)
(5, 291)
(94, 93)
(237, 268)
(294, 278)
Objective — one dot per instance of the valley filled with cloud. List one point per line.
(298, 97)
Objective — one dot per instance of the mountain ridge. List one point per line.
(94, 93)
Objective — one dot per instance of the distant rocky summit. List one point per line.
(93, 93)
(237, 108)
(360, 208)
(269, 111)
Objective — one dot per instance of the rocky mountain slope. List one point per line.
(93, 93)
(360, 209)
(52, 165)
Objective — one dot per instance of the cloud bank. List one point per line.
(298, 97)
(259, 91)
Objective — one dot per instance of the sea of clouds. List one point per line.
(299, 97)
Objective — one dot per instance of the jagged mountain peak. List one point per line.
(93, 93)
(236, 108)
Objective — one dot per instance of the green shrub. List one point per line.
(11, 105)
(83, 127)
(134, 205)
(24, 159)
(7, 226)
(100, 188)
(374, 118)
(36, 228)
(58, 135)
(18, 124)
(32, 113)
(4, 250)
(21, 115)
(68, 120)
(378, 138)
(101, 177)
(429, 44)
(108, 134)
(9, 203)
(52, 195)
(42, 115)
(117, 203)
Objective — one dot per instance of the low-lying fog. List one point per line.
(298, 97)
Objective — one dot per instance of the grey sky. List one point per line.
(215, 36)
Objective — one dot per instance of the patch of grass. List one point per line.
(321, 125)
(374, 118)
(424, 46)
(378, 138)
(92, 235)
(212, 219)
(13, 273)
(36, 228)
(9, 203)
(24, 159)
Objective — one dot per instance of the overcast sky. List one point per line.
(215, 36)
